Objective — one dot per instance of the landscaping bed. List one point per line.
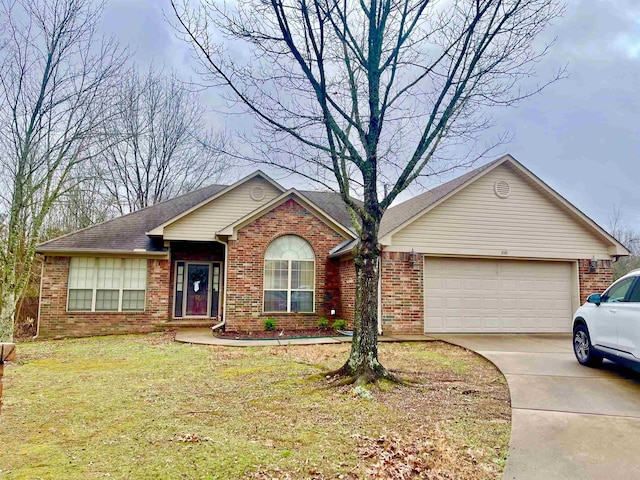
(277, 334)
(147, 407)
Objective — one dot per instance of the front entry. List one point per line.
(197, 289)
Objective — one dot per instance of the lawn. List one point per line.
(147, 407)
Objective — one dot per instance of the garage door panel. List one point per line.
(472, 295)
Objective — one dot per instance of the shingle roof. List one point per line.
(398, 215)
(331, 203)
(128, 232)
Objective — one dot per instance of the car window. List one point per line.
(635, 293)
(618, 292)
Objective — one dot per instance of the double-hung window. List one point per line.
(289, 275)
(107, 284)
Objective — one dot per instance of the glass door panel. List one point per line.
(215, 289)
(197, 301)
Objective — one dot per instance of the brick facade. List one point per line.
(594, 282)
(402, 283)
(55, 321)
(246, 265)
(402, 293)
(347, 309)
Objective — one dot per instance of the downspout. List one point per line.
(40, 298)
(380, 294)
(224, 297)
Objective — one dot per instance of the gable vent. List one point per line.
(502, 189)
(257, 193)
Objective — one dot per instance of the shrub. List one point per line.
(270, 324)
(323, 323)
(339, 324)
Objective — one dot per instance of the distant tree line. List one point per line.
(630, 238)
(84, 135)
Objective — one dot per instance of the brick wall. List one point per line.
(246, 264)
(594, 282)
(347, 291)
(55, 321)
(402, 293)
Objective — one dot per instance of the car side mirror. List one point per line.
(595, 298)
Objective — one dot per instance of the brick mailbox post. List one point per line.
(7, 353)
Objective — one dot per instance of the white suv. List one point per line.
(608, 325)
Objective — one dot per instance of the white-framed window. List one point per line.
(289, 275)
(107, 284)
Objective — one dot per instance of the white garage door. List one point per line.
(468, 295)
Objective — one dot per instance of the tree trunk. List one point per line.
(7, 314)
(363, 365)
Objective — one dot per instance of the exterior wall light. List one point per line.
(412, 257)
(593, 265)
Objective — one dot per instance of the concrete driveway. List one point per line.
(568, 421)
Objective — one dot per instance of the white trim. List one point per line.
(97, 252)
(224, 297)
(232, 229)
(619, 249)
(94, 288)
(159, 230)
(386, 239)
(185, 288)
(289, 290)
(489, 253)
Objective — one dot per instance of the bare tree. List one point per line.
(158, 145)
(630, 238)
(56, 79)
(363, 93)
(82, 205)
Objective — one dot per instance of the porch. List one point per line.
(196, 283)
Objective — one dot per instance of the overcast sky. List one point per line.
(581, 135)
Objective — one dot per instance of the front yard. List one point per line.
(146, 407)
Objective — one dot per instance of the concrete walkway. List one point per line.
(568, 421)
(204, 336)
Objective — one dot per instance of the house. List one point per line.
(494, 250)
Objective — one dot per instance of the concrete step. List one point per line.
(190, 323)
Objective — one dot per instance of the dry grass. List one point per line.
(145, 407)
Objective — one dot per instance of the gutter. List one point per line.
(93, 251)
(224, 297)
(219, 325)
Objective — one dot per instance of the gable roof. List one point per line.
(141, 232)
(130, 233)
(396, 218)
(324, 198)
(405, 212)
(158, 230)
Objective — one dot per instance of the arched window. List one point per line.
(289, 275)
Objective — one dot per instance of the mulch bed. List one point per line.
(277, 334)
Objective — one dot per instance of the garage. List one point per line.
(484, 296)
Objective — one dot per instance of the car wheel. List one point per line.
(583, 349)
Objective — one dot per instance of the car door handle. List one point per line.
(613, 310)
